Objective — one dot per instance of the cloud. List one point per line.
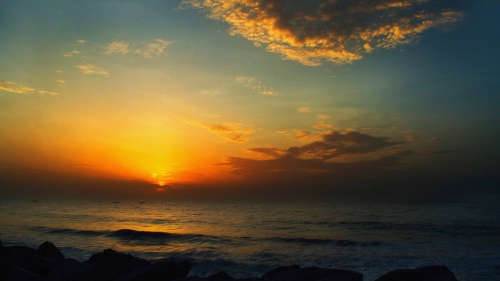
(92, 69)
(322, 122)
(436, 152)
(234, 132)
(303, 109)
(313, 31)
(14, 88)
(20, 89)
(81, 41)
(295, 134)
(269, 152)
(42, 92)
(61, 82)
(321, 158)
(155, 48)
(250, 82)
(351, 143)
(116, 48)
(71, 54)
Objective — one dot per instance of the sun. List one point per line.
(162, 178)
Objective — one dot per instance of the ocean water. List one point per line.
(247, 239)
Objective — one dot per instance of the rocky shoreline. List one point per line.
(47, 263)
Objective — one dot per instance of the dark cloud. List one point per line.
(337, 144)
(436, 152)
(316, 159)
(270, 151)
(339, 31)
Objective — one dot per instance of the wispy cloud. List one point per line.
(234, 132)
(295, 134)
(255, 85)
(81, 41)
(116, 48)
(42, 92)
(20, 89)
(322, 124)
(14, 88)
(303, 109)
(92, 69)
(71, 54)
(60, 82)
(326, 30)
(155, 48)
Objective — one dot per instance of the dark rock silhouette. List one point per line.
(109, 265)
(29, 259)
(70, 270)
(294, 272)
(10, 272)
(49, 250)
(162, 271)
(427, 273)
(19, 263)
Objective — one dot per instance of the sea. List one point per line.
(246, 239)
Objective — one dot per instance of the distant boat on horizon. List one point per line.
(141, 202)
(116, 202)
(34, 200)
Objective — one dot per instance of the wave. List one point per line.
(312, 241)
(77, 232)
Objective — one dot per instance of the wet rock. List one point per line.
(1, 250)
(10, 272)
(49, 250)
(70, 270)
(162, 271)
(427, 273)
(29, 259)
(110, 265)
(295, 273)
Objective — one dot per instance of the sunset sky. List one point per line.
(250, 98)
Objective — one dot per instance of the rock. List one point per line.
(110, 265)
(295, 273)
(162, 271)
(49, 250)
(10, 272)
(70, 270)
(1, 250)
(220, 276)
(427, 273)
(29, 259)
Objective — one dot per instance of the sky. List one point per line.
(256, 99)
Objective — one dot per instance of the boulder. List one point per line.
(427, 273)
(29, 259)
(295, 273)
(49, 250)
(70, 270)
(10, 272)
(110, 265)
(162, 271)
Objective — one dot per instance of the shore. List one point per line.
(19, 263)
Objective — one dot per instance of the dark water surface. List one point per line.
(248, 238)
